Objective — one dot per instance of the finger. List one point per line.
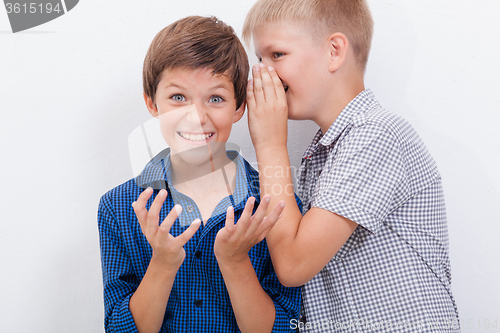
(250, 96)
(260, 213)
(259, 217)
(144, 197)
(154, 210)
(139, 206)
(247, 211)
(273, 217)
(245, 216)
(170, 218)
(230, 219)
(278, 85)
(141, 213)
(267, 84)
(258, 90)
(189, 232)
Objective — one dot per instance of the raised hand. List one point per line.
(235, 240)
(168, 250)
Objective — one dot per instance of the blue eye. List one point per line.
(178, 98)
(216, 99)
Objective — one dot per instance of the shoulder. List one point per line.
(121, 195)
(380, 135)
(379, 122)
(153, 175)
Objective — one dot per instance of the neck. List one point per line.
(344, 90)
(217, 171)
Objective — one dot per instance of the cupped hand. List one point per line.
(267, 108)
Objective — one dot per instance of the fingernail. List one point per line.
(250, 82)
(133, 203)
(198, 221)
(280, 216)
(270, 68)
(256, 68)
(262, 65)
(178, 209)
(282, 205)
(267, 199)
(230, 207)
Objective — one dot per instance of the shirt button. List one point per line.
(198, 303)
(190, 209)
(197, 254)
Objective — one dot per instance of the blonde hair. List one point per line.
(323, 17)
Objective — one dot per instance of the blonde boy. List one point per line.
(372, 246)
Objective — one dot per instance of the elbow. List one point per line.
(290, 276)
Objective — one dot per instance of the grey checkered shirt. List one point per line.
(393, 273)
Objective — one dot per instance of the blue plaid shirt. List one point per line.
(199, 301)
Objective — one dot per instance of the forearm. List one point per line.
(253, 308)
(275, 177)
(149, 302)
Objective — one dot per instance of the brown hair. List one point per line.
(197, 42)
(322, 17)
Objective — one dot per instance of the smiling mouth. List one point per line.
(195, 137)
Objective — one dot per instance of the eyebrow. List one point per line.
(173, 85)
(219, 86)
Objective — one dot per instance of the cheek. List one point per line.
(223, 126)
(168, 122)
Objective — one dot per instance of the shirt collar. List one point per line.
(158, 174)
(360, 103)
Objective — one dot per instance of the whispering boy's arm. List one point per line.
(253, 307)
(300, 246)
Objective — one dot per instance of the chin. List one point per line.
(200, 155)
(195, 156)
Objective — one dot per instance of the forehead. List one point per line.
(199, 78)
(279, 34)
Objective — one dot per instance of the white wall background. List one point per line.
(71, 93)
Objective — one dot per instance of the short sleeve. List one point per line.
(362, 178)
(118, 280)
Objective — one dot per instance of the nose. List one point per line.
(197, 114)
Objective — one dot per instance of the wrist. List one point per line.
(160, 267)
(271, 150)
(232, 262)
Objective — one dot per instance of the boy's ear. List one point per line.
(150, 105)
(337, 50)
(239, 112)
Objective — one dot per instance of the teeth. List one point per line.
(195, 137)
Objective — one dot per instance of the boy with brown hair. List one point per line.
(195, 271)
(371, 249)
